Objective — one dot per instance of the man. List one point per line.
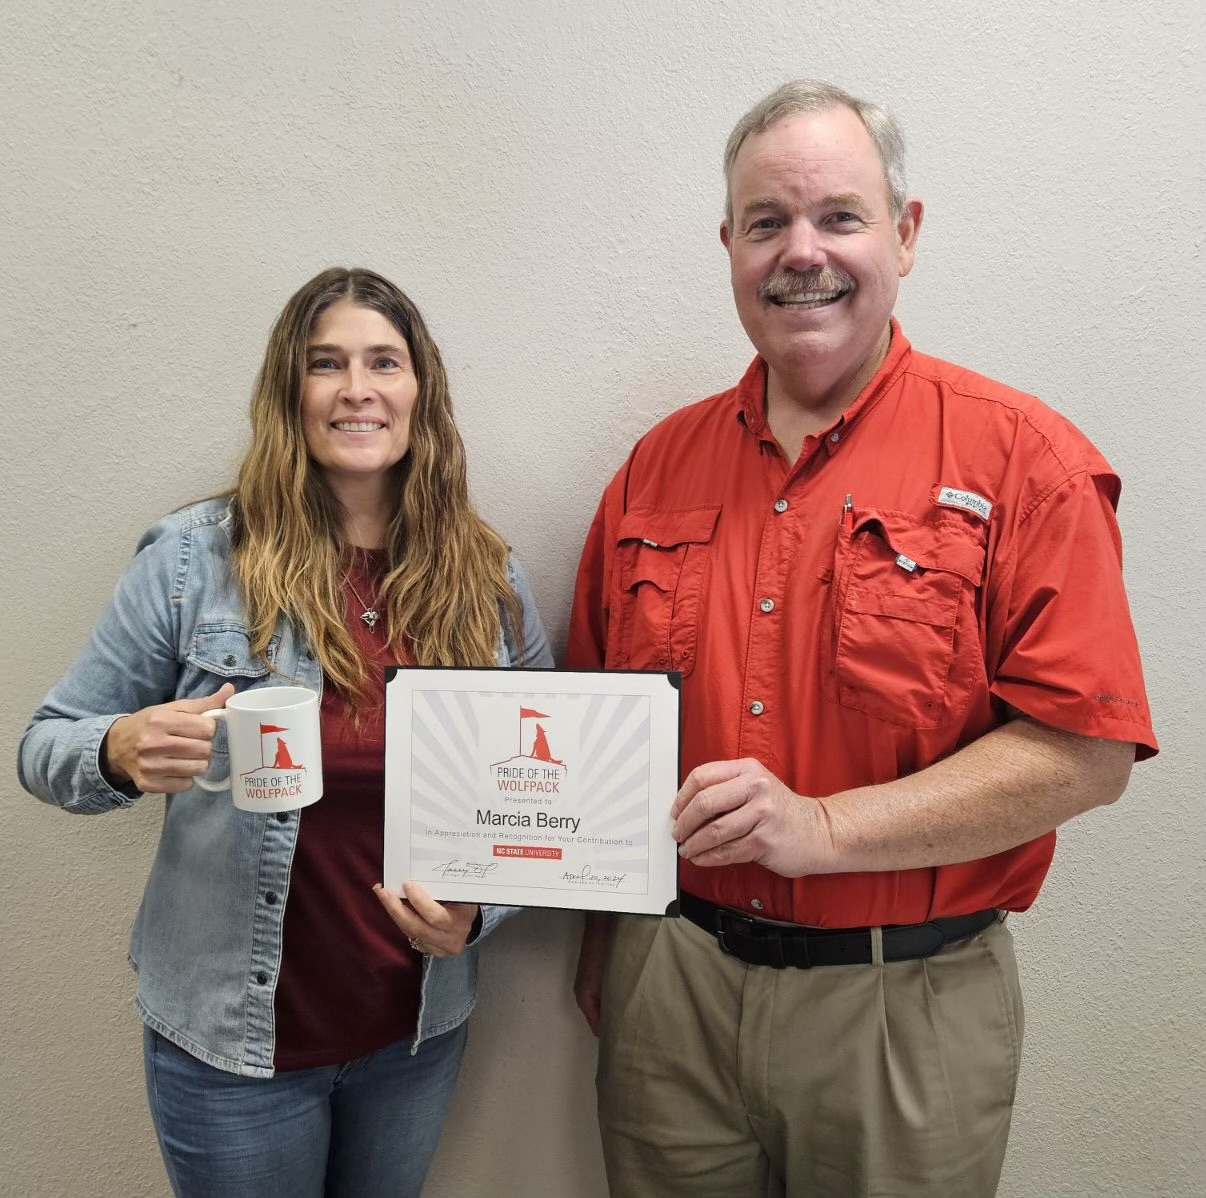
(893, 589)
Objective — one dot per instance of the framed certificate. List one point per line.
(533, 788)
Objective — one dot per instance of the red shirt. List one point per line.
(349, 981)
(977, 565)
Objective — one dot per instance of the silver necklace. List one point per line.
(370, 615)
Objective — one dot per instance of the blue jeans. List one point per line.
(365, 1129)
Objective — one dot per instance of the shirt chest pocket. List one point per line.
(903, 640)
(662, 562)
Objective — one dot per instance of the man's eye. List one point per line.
(766, 224)
(845, 218)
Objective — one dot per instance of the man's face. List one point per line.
(815, 253)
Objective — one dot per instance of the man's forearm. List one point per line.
(1016, 783)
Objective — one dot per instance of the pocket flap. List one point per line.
(927, 607)
(948, 545)
(664, 529)
(225, 650)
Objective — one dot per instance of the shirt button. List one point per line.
(270, 898)
(282, 817)
(835, 437)
(229, 660)
(757, 707)
(262, 978)
(767, 605)
(756, 904)
(780, 505)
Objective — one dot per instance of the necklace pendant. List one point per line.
(370, 616)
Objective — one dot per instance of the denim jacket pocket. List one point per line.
(903, 635)
(224, 649)
(221, 652)
(662, 558)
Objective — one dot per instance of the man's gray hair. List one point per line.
(812, 95)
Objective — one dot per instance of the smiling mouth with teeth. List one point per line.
(806, 299)
(357, 426)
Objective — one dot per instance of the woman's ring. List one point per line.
(417, 944)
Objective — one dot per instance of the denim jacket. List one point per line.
(206, 944)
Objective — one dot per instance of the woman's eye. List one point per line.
(386, 364)
(323, 364)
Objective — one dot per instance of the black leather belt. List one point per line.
(759, 942)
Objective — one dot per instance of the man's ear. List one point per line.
(908, 225)
(725, 237)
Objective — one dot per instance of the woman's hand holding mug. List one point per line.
(161, 748)
(274, 749)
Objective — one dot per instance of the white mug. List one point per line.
(275, 749)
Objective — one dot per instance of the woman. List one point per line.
(303, 1028)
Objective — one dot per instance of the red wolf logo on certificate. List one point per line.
(535, 771)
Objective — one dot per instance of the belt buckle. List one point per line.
(752, 925)
(718, 918)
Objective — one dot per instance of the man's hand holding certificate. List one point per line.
(534, 788)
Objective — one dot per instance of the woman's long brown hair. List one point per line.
(446, 591)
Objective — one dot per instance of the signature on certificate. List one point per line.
(465, 869)
(587, 876)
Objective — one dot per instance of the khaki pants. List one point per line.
(722, 1079)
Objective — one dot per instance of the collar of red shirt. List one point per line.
(750, 394)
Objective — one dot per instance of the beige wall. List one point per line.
(543, 177)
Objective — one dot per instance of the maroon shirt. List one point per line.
(349, 981)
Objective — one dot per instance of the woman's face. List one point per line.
(359, 391)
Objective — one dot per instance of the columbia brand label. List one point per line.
(969, 501)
